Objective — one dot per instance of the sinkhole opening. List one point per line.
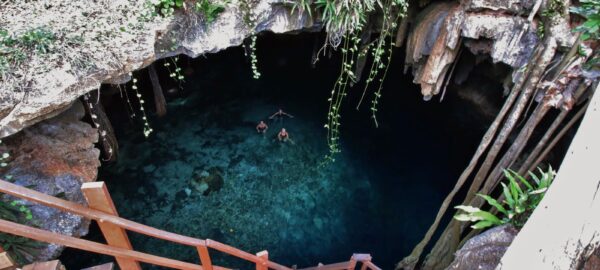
(206, 172)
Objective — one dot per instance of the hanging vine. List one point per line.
(251, 19)
(344, 21)
(147, 128)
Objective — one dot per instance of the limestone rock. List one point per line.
(484, 251)
(55, 157)
(136, 44)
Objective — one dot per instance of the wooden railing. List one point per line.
(102, 210)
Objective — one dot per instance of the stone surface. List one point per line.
(53, 89)
(55, 157)
(484, 251)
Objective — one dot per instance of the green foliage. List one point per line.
(21, 249)
(344, 22)
(518, 204)
(14, 48)
(589, 9)
(251, 19)
(209, 9)
(302, 6)
(554, 8)
(147, 128)
(166, 8)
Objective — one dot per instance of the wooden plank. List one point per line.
(106, 266)
(51, 265)
(6, 262)
(98, 198)
(67, 206)
(242, 254)
(371, 266)
(333, 266)
(264, 256)
(51, 237)
(205, 258)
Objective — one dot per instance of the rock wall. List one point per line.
(133, 42)
(55, 157)
(499, 28)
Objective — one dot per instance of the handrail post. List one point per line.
(352, 263)
(205, 257)
(264, 256)
(99, 199)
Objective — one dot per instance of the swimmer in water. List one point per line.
(280, 114)
(284, 136)
(262, 127)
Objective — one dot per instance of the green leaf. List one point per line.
(493, 202)
(508, 196)
(467, 208)
(522, 179)
(463, 217)
(485, 215)
(482, 224)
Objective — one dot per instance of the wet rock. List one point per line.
(206, 182)
(55, 157)
(593, 262)
(484, 251)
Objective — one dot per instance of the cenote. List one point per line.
(205, 172)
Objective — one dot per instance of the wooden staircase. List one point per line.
(101, 209)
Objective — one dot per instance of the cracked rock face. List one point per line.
(55, 157)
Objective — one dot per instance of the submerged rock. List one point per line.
(485, 250)
(206, 182)
(55, 157)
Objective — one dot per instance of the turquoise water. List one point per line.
(205, 171)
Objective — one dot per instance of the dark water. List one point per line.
(379, 197)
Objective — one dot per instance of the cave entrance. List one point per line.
(205, 171)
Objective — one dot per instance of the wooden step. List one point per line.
(51, 265)
(106, 266)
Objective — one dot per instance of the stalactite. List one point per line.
(108, 140)
(159, 98)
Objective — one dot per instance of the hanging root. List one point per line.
(108, 140)
(159, 98)
(411, 261)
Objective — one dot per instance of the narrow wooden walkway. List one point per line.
(101, 209)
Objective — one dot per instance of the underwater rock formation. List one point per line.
(206, 182)
(485, 250)
(55, 157)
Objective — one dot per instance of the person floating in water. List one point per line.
(284, 136)
(280, 114)
(262, 127)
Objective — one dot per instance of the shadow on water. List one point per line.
(205, 172)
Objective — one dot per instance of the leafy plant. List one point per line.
(14, 48)
(40, 39)
(209, 9)
(166, 8)
(345, 21)
(590, 10)
(21, 249)
(518, 204)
